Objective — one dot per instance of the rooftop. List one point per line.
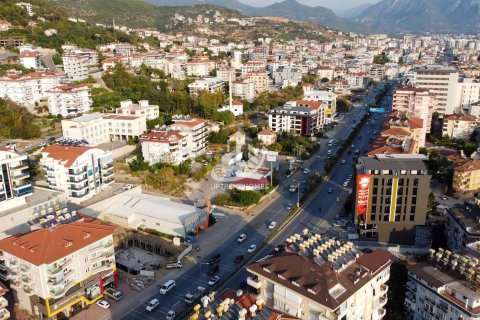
(459, 117)
(393, 162)
(67, 154)
(467, 215)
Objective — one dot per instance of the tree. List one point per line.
(324, 80)
(309, 78)
(396, 291)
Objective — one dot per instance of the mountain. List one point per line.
(355, 11)
(440, 16)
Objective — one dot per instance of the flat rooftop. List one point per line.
(393, 162)
(39, 196)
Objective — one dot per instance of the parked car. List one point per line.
(103, 304)
(343, 161)
(252, 248)
(213, 281)
(306, 171)
(330, 190)
(241, 238)
(289, 206)
(152, 305)
(272, 225)
(167, 286)
(215, 259)
(239, 258)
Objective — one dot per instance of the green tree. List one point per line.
(396, 291)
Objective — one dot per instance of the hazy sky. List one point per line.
(331, 4)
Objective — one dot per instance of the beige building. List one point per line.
(458, 126)
(417, 102)
(267, 137)
(261, 79)
(466, 177)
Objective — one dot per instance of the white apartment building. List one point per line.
(245, 89)
(60, 270)
(261, 79)
(253, 66)
(76, 66)
(304, 118)
(69, 100)
(469, 91)
(442, 83)
(325, 72)
(27, 7)
(321, 278)
(327, 98)
(30, 60)
(97, 128)
(199, 68)
(417, 102)
(165, 146)
(28, 89)
(196, 131)
(208, 84)
(79, 172)
(357, 80)
(226, 74)
(14, 185)
(445, 287)
(236, 61)
(458, 126)
(143, 108)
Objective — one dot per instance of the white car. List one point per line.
(152, 305)
(272, 225)
(127, 187)
(345, 184)
(103, 304)
(343, 161)
(252, 248)
(242, 238)
(213, 281)
(289, 206)
(306, 171)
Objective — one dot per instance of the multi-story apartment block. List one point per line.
(226, 74)
(315, 277)
(253, 66)
(442, 83)
(298, 117)
(245, 89)
(466, 177)
(165, 146)
(462, 227)
(14, 184)
(76, 66)
(357, 80)
(199, 68)
(196, 131)
(28, 89)
(30, 60)
(207, 84)
(69, 100)
(55, 272)
(325, 72)
(469, 91)
(260, 78)
(287, 76)
(391, 196)
(118, 48)
(445, 287)
(417, 102)
(340, 87)
(79, 172)
(458, 126)
(327, 98)
(143, 108)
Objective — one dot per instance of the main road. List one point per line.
(257, 230)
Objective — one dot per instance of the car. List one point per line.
(444, 198)
(252, 248)
(345, 184)
(352, 146)
(167, 286)
(330, 190)
(214, 270)
(215, 259)
(127, 187)
(306, 171)
(241, 238)
(213, 281)
(103, 304)
(329, 152)
(239, 258)
(343, 161)
(272, 225)
(152, 305)
(289, 206)
(171, 315)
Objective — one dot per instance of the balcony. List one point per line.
(55, 282)
(53, 270)
(107, 174)
(22, 166)
(108, 181)
(27, 279)
(22, 189)
(20, 176)
(383, 289)
(381, 313)
(28, 289)
(3, 302)
(78, 179)
(58, 292)
(4, 314)
(76, 173)
(383, 302)
(410, 297)
(254, 282)
(107, 166)
(25, 269)
(78, 188)
(412, 286)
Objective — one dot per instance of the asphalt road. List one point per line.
(257, 231)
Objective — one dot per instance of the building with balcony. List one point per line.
(466, 177)
(79, 172)
(69, 100)
(30, 59)
(416, 102)
(196, 131)
(165, 146)
(316, 277)
(56, 272)
(199, 68)
(245, 89)
(14, 179)
(462, 227)
(391, 196)
(445, 287)
(287, 76)
(206, 84)
(327, 98)
(260, 78)
(458, 126)
(143, 108)
(301, 117)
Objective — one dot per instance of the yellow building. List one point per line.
(466, 177)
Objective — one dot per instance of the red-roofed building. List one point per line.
(236, 107)
(69, 100)
(267, 137)
(196, 131)
(165, 146)
(30, 60)
(459, 126)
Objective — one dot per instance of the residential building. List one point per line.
(196, 131)
(442, 83)
(340, 87)
(301, 119)
(4, 312)
(236, 107)
(55, 272)
(377, 72)
(226, 74)
(239, 138)
(5, 25)
(391, 196)
(118, 48)
(14, 184)
(165, 146)
(76, 66)
(143, 108)
(444, 287)
(466, 177)
(245, 89)
(458, 126)
(287, 76)
(325, 72)
(200, 68)
(79, 172)
(469, 91)
(253, 66)
(27, 7)
(357, 80)
(417, 102)
(30, 60)
(327, 98)
(267, 137)
(29, 88)
(315, 277)
(69, 100)
(208, 84)
(260, 78)
(462, 228)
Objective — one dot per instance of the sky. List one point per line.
(335, 5)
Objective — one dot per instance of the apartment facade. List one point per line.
(69, 100)
(462, 228)
(196, 131)
(469, 91)
(14, 185)
(391, 196)
(327, 98)
(29, 88)
(458, 126)
(207, 84)
(143, 108)
(76, 66)
(417, 102)
(261, 79)
(79, 172)
(443, 288)
(165, 146)
(245, 89)
(30, 60)
(442, 83)
(287, 76)
(314, 277)
(466, 177)
(56, 272)
(199, 68)
(300, 120)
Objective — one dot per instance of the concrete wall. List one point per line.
(122, 152)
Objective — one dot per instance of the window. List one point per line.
(412, 209)
(386, 209)
(412, 217)
(385, 217)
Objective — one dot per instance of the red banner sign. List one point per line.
(363, 193)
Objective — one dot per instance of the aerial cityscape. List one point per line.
(240, 160)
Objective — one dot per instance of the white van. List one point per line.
(169, 285)
(330, 143)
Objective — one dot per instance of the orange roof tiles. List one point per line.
(189, 123)
(266, 132)
(471, 165)
(459, 117)
(162, 136)
(311, 104)
(67, 154)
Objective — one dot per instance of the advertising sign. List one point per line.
(272, 156)
(363, 192)
(377, 110)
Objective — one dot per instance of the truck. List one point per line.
(114, 294)
(293, 187)
(174, 265)
(190, 297)
(174, 311)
